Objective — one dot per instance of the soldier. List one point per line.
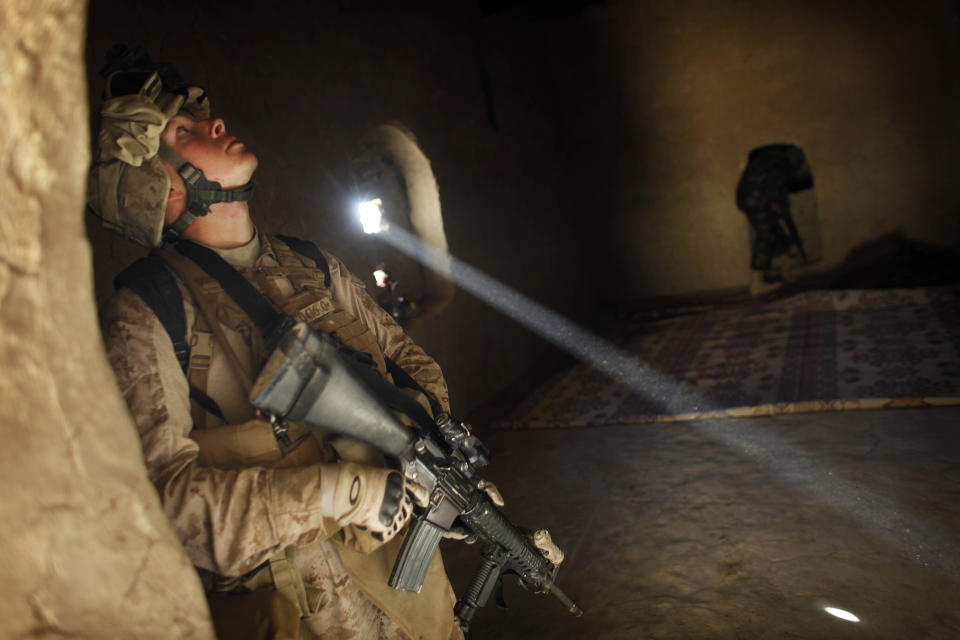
(773, 172)
(293, 537)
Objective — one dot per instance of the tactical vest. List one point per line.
(311, 301)
(254, 443)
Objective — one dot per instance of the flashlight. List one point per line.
(371, 216)
(382, 278)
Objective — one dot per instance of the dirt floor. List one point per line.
(737, 528)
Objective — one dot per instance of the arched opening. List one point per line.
(391, 166)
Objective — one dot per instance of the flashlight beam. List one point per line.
(927, 546)
(603, 355)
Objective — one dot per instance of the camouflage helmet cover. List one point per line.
(128, 185)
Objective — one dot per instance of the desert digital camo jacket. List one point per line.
(230, 520)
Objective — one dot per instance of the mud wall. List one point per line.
(87, 552)
(664, 100)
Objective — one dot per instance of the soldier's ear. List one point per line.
(176, 205)
(176, 196)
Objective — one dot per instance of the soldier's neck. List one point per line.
(227, 226)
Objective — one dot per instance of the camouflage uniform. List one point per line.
(773, 172)
(233, 518)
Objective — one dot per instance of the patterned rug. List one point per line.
(815, 351)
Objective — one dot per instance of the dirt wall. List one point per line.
(673, 96)
(87, 551)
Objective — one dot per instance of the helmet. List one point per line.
(128, 185)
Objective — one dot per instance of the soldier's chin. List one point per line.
(242, 177)
(252, 163)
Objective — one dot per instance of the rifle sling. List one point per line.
(150, 279)
(273, 324)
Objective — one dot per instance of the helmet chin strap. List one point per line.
(201, 193)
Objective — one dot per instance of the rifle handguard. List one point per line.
(534, 569)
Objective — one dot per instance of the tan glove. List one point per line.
(130, 128)
(493, 493)
(459, 532)
(379, 499)
(541, 540)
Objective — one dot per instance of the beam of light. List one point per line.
(840, 613)
(551, 326)
(929, 547)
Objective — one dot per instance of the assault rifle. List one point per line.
(307, 379)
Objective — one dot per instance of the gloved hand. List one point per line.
(379, 499)
(130, 128)
(460, 532)
(493, 493)
(541, 540)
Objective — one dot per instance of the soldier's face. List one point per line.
(205, 144)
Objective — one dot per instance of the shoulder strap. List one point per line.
(273, 324)
(403, 379)
(150, 279)
(309, 250)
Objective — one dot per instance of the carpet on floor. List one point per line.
(813, 351)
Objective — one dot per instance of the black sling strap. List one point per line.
(362, 364)
(206, 403)
(310, 250)
(150, 279)
(404, 379)
(273, 324)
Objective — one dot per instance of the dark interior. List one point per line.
(587, 154)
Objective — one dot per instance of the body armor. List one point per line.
(298, 286)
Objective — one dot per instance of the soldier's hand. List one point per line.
(378, 499)
(460, 532)
(493, 493)
(541, 540)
